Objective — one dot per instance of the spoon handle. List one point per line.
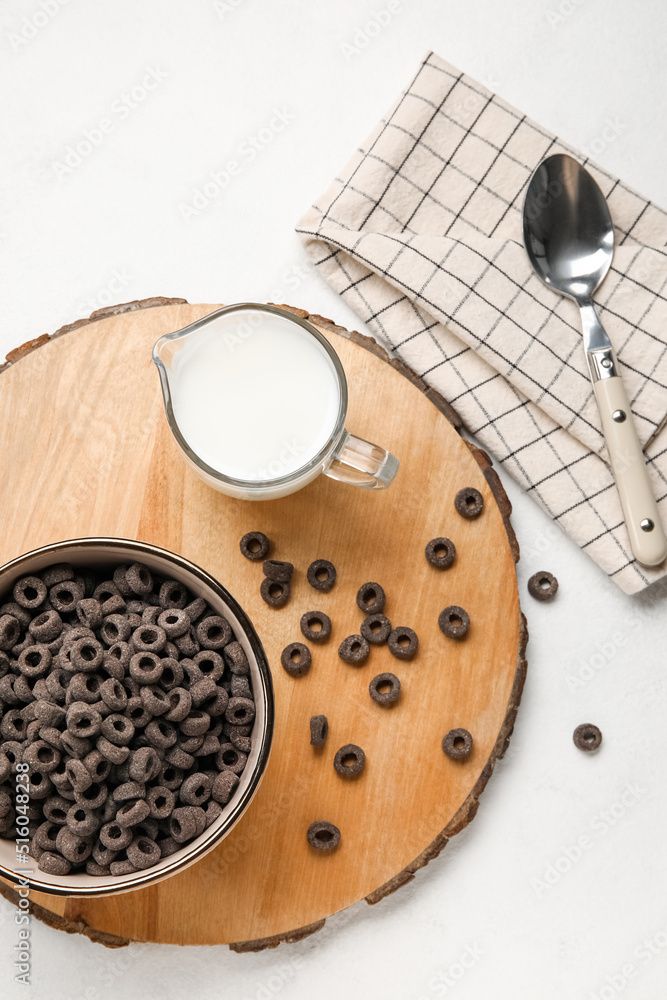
(642, 518)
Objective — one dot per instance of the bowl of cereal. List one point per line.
(136, 715)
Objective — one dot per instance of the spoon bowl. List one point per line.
(567, 228)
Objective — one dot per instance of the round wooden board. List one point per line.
(87, 451)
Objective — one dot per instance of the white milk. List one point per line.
(255, 396)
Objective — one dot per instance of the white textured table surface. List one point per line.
(558, 887)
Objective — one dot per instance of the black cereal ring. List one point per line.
(441, 552)
(196, 723)
(349, 761)
(213, 811)
(371, 598)
(75, 746)
(276, 570)
(42, 756)
(86, 655)
(469, 503)
(211, 664)
(309, 626)
(89, 612)
(94, 796)
(81, 821)
(172, 673)
(174, 621)
(22, 616)
(223, 785)
(53, 864)
(242, 743)
(195, 609)
(214, 632)
(143, 764)
(161, 734)
(114, 836)
(180, 704)
(173, 595)
(228, 758)
(78, 775)
(150, 615)
(403, 642)
(146, 668)
(29, 592)
(122, 868)
(55, 810)
(240, 711)
(155, 700)
(113, 694)
(179, 758)
(65, 596)
(120, 579)
(196, 789)
(255, 546)
(143, 853)
(354, 650)
(236, 659)
(376, 629)
(543, 586)
(137, 712)
(183, 824)
(161, 801)
(139, 579)
(75, 849)
(454, 622)
(115, 628)
(319, 730)
(129, 791)
(323, 836)
(46, 627)
(97, 766)
(35, 661)
(113, 752)
(385, 689)
(57, 573)
(10, 631)
(321, 575)
(587, 737)
(202, 690)
(148, 639)
(133, 812)
(240, 687)
(457, 744)
(274, 593)
(117, 729)
(84, 687)
(83, 720)
(296, 659)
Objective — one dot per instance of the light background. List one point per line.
(113, 229)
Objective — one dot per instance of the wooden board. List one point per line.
(86, 450)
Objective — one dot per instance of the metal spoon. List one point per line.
(569, 238)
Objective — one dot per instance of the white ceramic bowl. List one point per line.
(100, 552)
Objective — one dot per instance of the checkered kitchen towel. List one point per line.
(421, 235)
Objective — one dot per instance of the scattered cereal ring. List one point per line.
(316, 626)
(543, 586)
(371, 598)
(349, 761)
(469, 503)
(296, 659)
(376, 629)
(587, 737)
(441, 552)
(385, 689)
(403, 643)
(354, 650)
(255, 546)
(323, 836)
(276, 570)
(454, 622)
(321, 575)
(274, 593)
(319, 730)
(457, 744)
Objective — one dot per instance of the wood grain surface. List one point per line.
(87, 451)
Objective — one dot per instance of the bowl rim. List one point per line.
(144, 878)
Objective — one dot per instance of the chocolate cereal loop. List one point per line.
(385, 689)
(457, 744)
(371, 598)
(543, 586)
(403, 643)
(275, 593)
(319, 730)
(354, 650)
(316, 626)
(296, 659)
(469, 503)
(454, 622)
(441, 552)
(376, 629)
(323, 836)
(276, 570)
(350, 761)
(321, 575)
(255, 546)
(587, 737)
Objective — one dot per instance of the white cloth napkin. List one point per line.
(421, 235)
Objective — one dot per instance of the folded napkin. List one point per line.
(421, 235)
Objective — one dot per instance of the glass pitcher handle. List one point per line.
(361, 463)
